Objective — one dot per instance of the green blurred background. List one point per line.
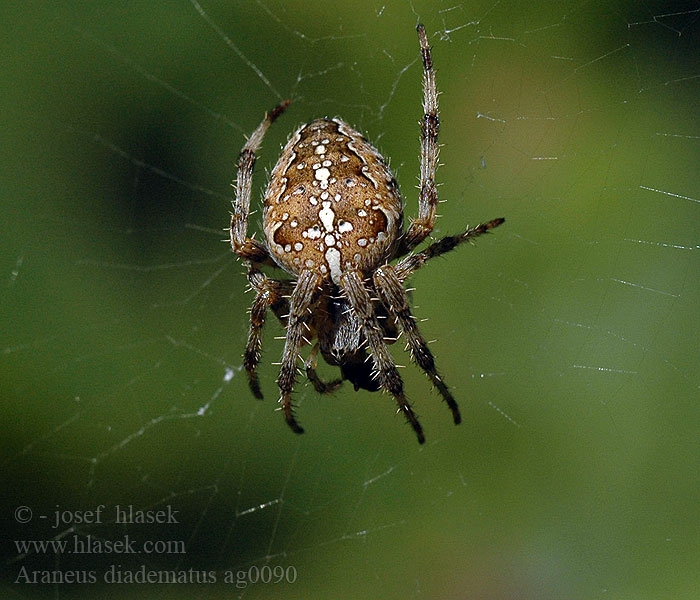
(570, 336)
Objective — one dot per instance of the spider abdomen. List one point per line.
(332, 203)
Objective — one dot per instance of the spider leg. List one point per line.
(394, 298)
(361, 304)
(430, 126)
(246, 247)
(320, 386)
(251, 357)
(411, 263)
(269, 293)
(303, 297)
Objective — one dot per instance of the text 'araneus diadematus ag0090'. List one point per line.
(333, 218)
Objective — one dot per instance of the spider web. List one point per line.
(570, 335)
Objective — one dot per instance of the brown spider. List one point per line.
(333, 217)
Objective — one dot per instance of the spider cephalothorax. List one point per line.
(333, 217)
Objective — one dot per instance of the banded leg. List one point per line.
(245, 247)
(319, 385)
(410, 264)
(361, 303)
(268, 294)
(430, 127)
(303, 297)
(394, 298)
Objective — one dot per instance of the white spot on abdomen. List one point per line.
(313, 233)
(322, 175)
(333, 260)
(327, 216)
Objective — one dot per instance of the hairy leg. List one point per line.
(430, 127)
(269, 293)
(410, 264)
(243, 246)
(361, 304)
(303, 298)
(394, 298)
(320, 386)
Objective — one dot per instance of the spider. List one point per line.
(333, 218)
